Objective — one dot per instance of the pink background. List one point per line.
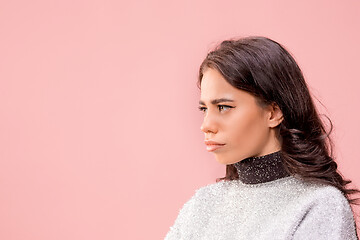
(100, 132)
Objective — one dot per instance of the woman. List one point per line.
(281, 179)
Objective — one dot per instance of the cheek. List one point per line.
(249, 130)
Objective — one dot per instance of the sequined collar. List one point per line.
(261, 169)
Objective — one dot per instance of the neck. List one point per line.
(261, 169)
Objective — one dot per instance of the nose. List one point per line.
(208, 125)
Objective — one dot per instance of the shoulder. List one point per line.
(329, 192)
(213, 188)
(326, 194)
(207, 193)
(332, 198)
(207, 190)
(314, 192)
(202, 198)
(326, 200)
(327, 214)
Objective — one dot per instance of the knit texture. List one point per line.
(285, 208)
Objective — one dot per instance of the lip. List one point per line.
(211, 142)
(212, 148)
(212, 145)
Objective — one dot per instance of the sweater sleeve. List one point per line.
(328, 217)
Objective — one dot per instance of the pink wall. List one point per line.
(100, 132)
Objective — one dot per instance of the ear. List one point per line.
(275, 115)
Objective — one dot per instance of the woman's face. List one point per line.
(239, 122)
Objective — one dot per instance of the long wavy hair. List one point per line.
(264, 68)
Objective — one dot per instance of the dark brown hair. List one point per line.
(264, 68)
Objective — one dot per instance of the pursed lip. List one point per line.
(212, 146)
(211, 142)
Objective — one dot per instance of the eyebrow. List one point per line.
(216, 101)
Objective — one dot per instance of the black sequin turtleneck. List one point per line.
(261, 169)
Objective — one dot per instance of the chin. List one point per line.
(222, 161)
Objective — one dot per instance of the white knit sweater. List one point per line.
(284, 208)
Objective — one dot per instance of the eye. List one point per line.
(224, 106)
(202, 109)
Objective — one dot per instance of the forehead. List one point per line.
(214, 85)
(213, 82)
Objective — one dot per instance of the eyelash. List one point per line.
(203, 108)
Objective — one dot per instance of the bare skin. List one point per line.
(243, 126)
